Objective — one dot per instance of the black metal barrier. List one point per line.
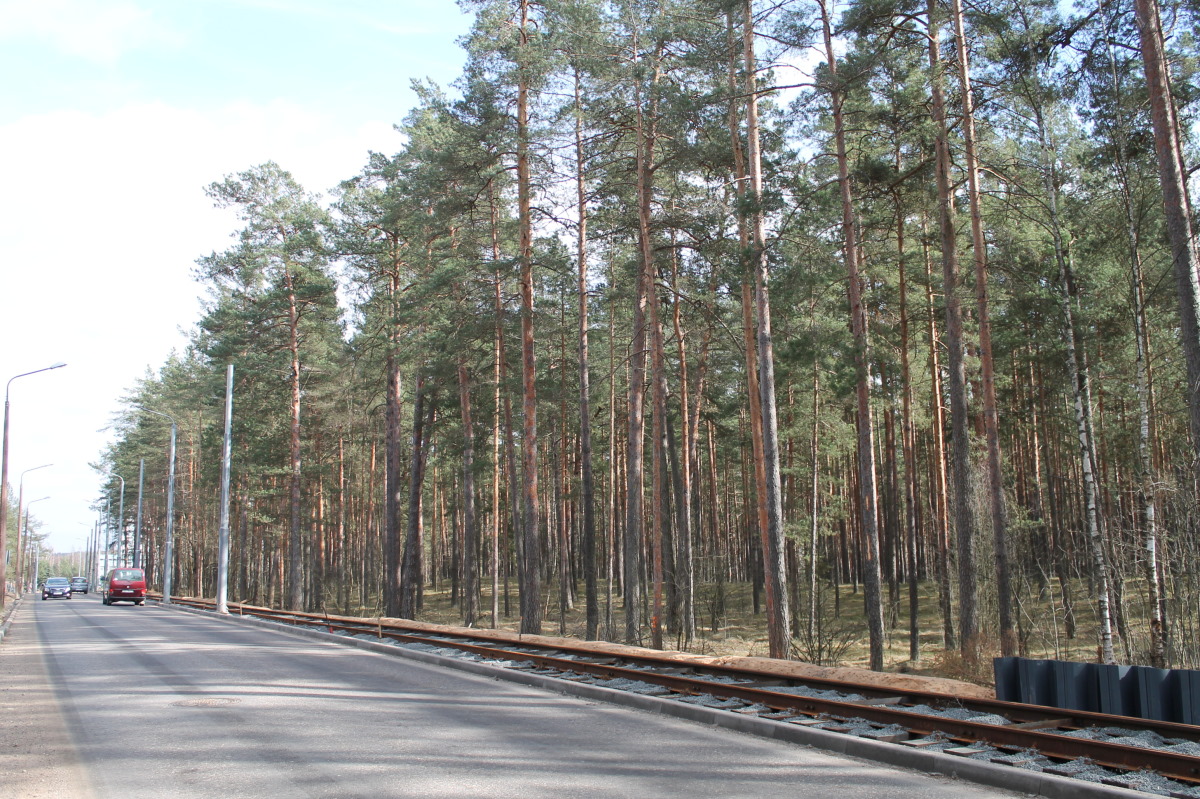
(1139, 691)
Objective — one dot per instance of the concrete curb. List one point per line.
(12, 614)
(1010, 778)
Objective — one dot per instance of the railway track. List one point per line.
(1141, 754)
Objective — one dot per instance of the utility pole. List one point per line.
(223, 540)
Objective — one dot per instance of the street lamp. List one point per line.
(137, 529)
(4, 483)
(121, 520)
(27, 507)
(169, 555)
(20, 503)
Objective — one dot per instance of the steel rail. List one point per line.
(1018, 736)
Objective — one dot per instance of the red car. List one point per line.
(124, 585)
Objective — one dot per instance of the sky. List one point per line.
(114, 117)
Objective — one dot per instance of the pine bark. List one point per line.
(774, 566)
(940, 499)
(991, 419)
(684, 525)
(295, 543)
(754, 392)
(867, 499)
(658, 458)
(470, 543)
(410, 567)
(636, 425)
(531, 607)
(1185, 255)
(964, 517)
(587, 480)
(908, 438)
(393, 544)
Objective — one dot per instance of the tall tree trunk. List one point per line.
(498, 382)
(634, 530)
(510, 457)
(587, 482)
(940, 500)
(634, 455)
(410, 567)
(754, 392)
(470, 544)
(393, 546)
(531, 607)
(615, 533)
(774, 566)
(991, 421)
(343, 536)
(658, 458)
(964, 518)
(1090, 489)
(296, 545)
(1173, 175)
(815, 508)
(1147, 505)
(683, 489)
(562, 535)
(872, 574)
(908, 439)
(317, 566)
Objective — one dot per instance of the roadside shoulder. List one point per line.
(40, 761)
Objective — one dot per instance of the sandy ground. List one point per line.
(783, 668)
(37, 756)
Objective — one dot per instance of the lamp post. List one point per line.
(27, 507)
(169, 554)
(29, 584)
(4, 484)
(223, 532)
(121, 522)
(94, 555)
(20, 549)
(106, 537)
(137, 528)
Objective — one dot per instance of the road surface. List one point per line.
(126, 702)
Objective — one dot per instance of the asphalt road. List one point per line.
(163, 703)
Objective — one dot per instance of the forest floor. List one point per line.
(728, 626)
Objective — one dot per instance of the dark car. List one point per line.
(79, 585)
(124, 585)
(56, 586)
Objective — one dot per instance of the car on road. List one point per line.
(79, 585)
(124, 585)
(56, 587)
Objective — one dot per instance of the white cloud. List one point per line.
(95, 30)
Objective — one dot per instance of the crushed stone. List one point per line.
(816, 693)
(1148, 782)
(882, 732)
(956, 713)
(708, 700)
(1185, 748)
(728, 679)
(633, 686)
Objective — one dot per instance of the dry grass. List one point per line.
(728, 625)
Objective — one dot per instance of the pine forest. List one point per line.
(874, 327)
